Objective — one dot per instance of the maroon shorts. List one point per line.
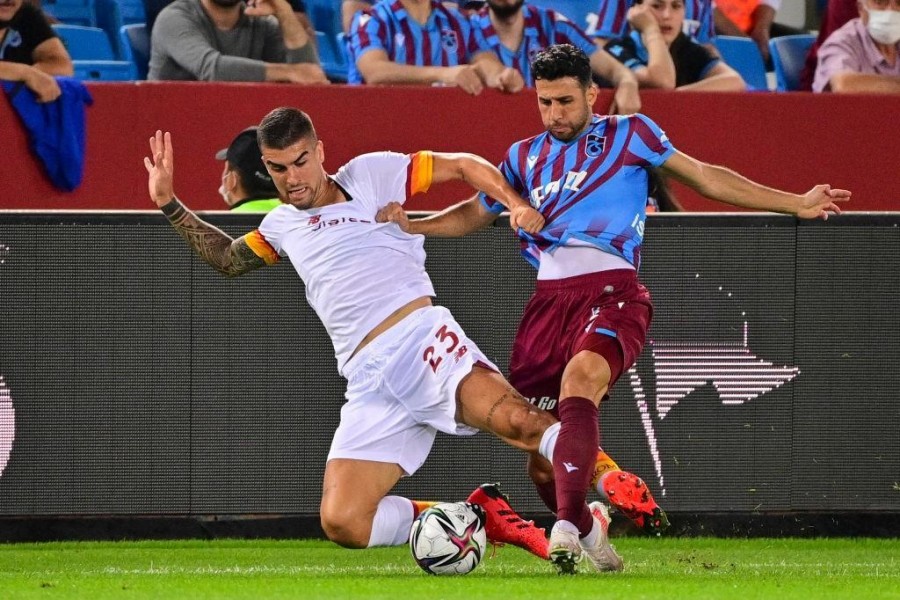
(607, 313)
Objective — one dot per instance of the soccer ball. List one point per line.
(449, 538)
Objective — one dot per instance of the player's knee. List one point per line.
(587, 375)
(345, 527)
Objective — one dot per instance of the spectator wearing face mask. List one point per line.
(863, 56)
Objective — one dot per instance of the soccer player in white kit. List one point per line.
(411, 370)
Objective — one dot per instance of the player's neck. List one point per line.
(419, 10)
(510, 29)
(224, 18)
(331, 194)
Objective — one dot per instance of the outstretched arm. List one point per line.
(724, 185)
(485, 177)
(455, 221)
(226, 255)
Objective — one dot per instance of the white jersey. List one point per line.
(357, 272)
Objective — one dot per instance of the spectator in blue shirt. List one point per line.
(421, 42)
(515, 32)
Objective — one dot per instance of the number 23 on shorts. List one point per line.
(447, 341)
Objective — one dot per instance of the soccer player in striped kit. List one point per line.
(421, 42)
(587, 321)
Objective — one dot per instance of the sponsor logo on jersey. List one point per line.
(571, 181)
(332, 222)
(544, 402)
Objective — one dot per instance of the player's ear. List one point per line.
(591, 94)
(320, 151)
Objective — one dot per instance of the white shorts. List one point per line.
(401, 390)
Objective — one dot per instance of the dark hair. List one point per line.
(284, 126)
(562, 60)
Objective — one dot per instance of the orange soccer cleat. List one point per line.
(630, 495)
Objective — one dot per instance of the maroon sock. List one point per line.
(574, 458)
(547, 492)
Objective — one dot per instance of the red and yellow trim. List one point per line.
(261, 247)
(419, 173)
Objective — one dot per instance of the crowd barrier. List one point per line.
(790, 141)
(136, 381)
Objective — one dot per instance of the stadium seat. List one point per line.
(789, 57)
(581, 12)
(325, 16)
(331, 57)
(92, 54)
(113, 14)
(742, 55)
(135, 43)
(103, 70)
(71, 12)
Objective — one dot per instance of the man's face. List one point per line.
(670, 16)
(297, 172)
(8, 10)
(505, 8)
(565, 106)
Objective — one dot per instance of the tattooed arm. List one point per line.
(227, 256)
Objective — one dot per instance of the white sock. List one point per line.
(590, 540)
(393, 518)
(548, 441)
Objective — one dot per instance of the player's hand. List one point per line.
(393, 212)
(510, 81)
(465, 77)
(641, 19)
(821, 201)
(44, 86)
(526, 218)
(160, 167)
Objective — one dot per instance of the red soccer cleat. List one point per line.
(504, 525)
(630, 495)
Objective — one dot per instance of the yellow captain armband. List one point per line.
(261, 247)
(421, 171)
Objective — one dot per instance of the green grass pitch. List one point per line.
(669, 568)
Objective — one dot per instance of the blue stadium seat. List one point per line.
(325, 16)
(92, 54)
(331, 57)
(103, 70)
(742, 55)
(789, 57)
(581, 12)
(135, 43)
(71, 12)
(113, 14)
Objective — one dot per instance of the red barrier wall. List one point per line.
(791, 141)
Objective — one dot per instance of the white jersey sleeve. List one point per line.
(378, 178)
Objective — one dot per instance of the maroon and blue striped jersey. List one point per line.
(445, 40)
(698, 19)
(543, 28)
(591, 190)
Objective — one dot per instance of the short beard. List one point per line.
(226, 3)
(505, 12)
(4, 23)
